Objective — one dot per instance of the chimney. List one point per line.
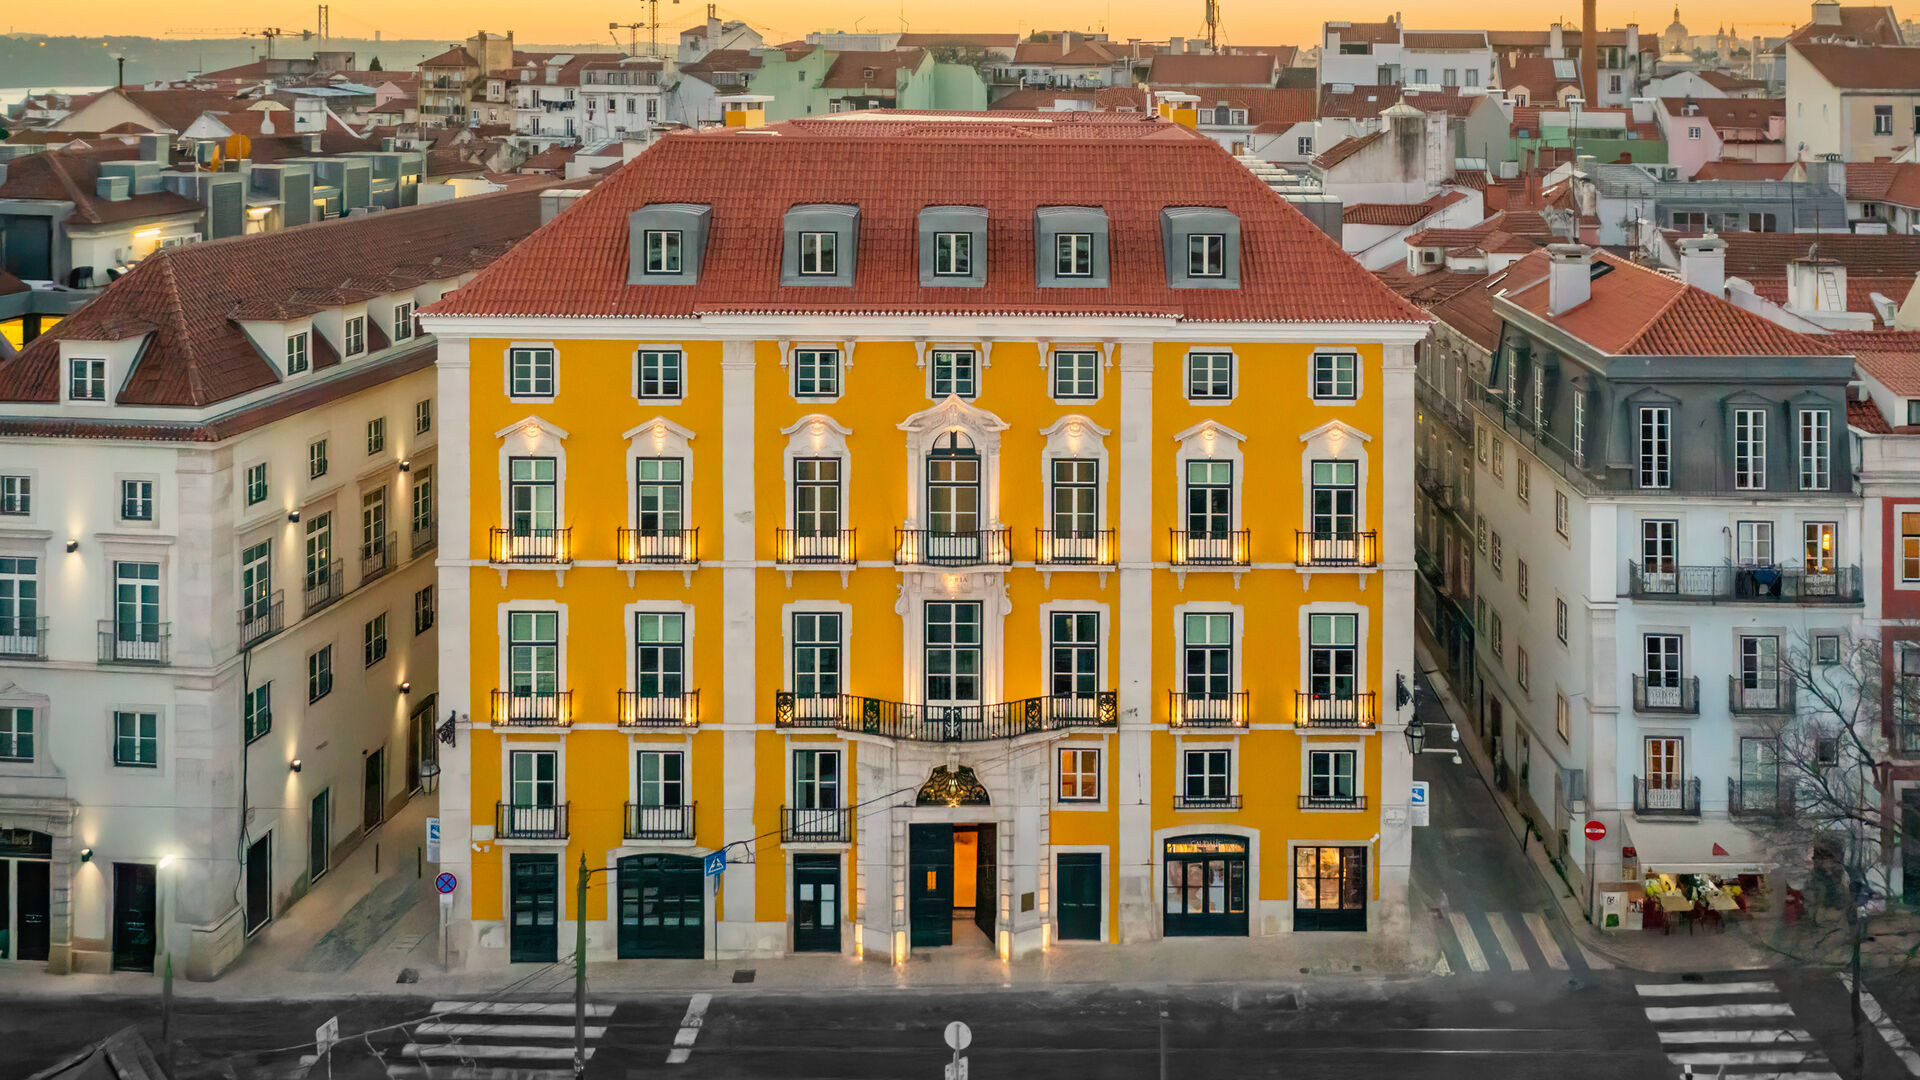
(1703, 263)
(1816, 284)
(1590, 49)
(1826, 13)
(713, 30)
(154, 148)
(1753, 58)
(1632, 58)
(1176, 44)
(1836, 172)
(1569, 277)
(1556, 42)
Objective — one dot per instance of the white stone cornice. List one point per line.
(1071, 419)
(658, 424)
(531, 422)
(1335, 425)
(817, 418)
(1209, 427)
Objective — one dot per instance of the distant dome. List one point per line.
(1674, 37)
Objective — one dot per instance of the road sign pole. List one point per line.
(580, 972)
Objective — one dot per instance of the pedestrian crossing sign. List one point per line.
(716, 864)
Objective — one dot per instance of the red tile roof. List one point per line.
(1728, 114)
(862, 70)
(1346, 148)
(1536, 74)
(893, 165)
(1866, 25)
(1117, 98)
(1570, 38)
(185, 299)
(1366, 102)
(1399, 214)
(455, 57)
(1470, 311)
(1444, 39)
(1863, 67)
(1750, 170)
(1720, 80)
(1207, 69)
(723, 60)
(1264, 105)
(552, 159)
(1892, 357)
(72, 176)
(1865, 415)
(983, 41)
(1635, 311)
(1431, 288)
(1883, 182)
(1086, 54)
(1380, 33)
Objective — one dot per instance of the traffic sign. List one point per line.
(326, 1035)
(446, 883)
(1419, 803)
(716, 864)
(956, 1069)
(1596, 831)
(959, 1036)
(433, 839)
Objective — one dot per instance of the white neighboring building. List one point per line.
(1387, 54)
(217, 488)
(620, 98)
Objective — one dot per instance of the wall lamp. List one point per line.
(406, 687)
(294, 765)
(405, 464)
(73, 546)
(86, 854)
(293, 516)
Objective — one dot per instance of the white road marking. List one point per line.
(1594, 960)
(1537, 926)
(508, 1053)
(1748, 1057)
(1665, 1014)
(1469, 944)
(1896, 1039)
(507, 1031)
(1737, 1035)
(517, 1008)
(690, 1025)
(1509, 944)
(1704, 989)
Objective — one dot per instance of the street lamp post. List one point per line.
(580, 965)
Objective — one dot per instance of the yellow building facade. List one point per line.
(964, 565)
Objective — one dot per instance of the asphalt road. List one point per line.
(1588, 1026)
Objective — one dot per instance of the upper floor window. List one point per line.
(1749, 450)
(316, 459)
(16, 495)
(1336, 500)
(1076, 374)
(354, 335)
(1076, 497)
(1333, 656)
(661, 374)
(423, 416)
(816, 497)
(136, 739)
(86, 379)
(1206, 255)
(136, 500)
(1816, 450)
(1883, 119)
(1910, 548)
(1656, 447)
(1209, 500)
(1208, 656)
(531, 496)
(953, 652)
(297, 361)
(1079, 774)
(1210, 375)
(659, 659)
(403, 321)
(1073, 254)
(256, 484)
(1336, 375)
(1330, 775)
(663, 251)
(659, 496)
(533, 653)
(376, 434)
(955, 373)
(16, 733)
(816, 654)
(816, 373)
(530, 373)
(953, 254)
(1073, 657)
(819, 253)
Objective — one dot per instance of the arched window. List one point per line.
(953, 498)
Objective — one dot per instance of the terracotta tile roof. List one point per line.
(1428, 289)
(1507, 232)
(1720, 80)
(1536, 74)
(455, 57)
(72, 176)
(861, 70)
(1365, 102)
(1570, 38)
(1865, 415)
(1210, 69)
(184, 300)
(1635, 311)
(178, 108)
(1892, 357)
(723, 60)
(552, 159)
(892, 165)
(1283, 55)
(1727, 114)
(1883, 182)
(1753, 255)
(1380, 33)
(1346, 148)
(1399, 214)
(1086, 54)
(1751, 170)
(1865, 25)
(983, 41)
(1117, 98)
(1472, 178)
(1469, 311)
(1862, 67)
(1444, 39)
(1264, 105)
(10, 284)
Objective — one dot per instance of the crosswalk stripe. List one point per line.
(1896, 1039)
(1667, 1013)
(1704, 989)
(1502, 933)
(1536, 925)
(507, 1031)
(492, 1053)
(1748, 1057)
(1722, 1035)
(517, 1008)
(1469, 943)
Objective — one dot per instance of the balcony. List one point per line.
(426, 534)
(514, 822)
(1324, 711)
(794, 547)
(1333, 802)
(1206, 802)
(1742, 584)
(325, 584)
(1208, 710)
(1316, 548)
(926, 547)
(259, 620)
(1054, 547)
(23, 637)
(535, 547)
(657, 547)
(377, 556)
(1217, 548)
(659, 822)
(1771, 695)
(1681, 698)
(639, 710)
(1758, 798)
(945, 723)
(815, 826)
(526, 708)
(1673, 797)
(134, 642)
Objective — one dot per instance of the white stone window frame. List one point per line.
(1238, 681)
(1104, 348)
(652, 740)
(502, 611)
(14, 696)
(657, 607)
(152, 520)
(820, 741)
(1335, 441)
(528, 743)
(1210, 440)
(1363, 682)
(35, 500)
(924, 429)
(816, 435)
(1233, 375)
(1102, 803)
(918, 590)
(1191, 739)
(1357, 747)
(162, 726)
(815, 607)
(347, 316)
(1359, 376)
(1103, 673)
(108, 384)
(528, 438)
(634, 366)
(506, 372)
(1075, 437)
(657, 438)
(789, 346)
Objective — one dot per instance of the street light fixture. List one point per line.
(1416, 733)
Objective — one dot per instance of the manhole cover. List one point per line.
(744, 975)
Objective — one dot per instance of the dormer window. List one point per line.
(953, 246)
(355, 335)
(953, 254)
(663, 251)
(817, 253)
(1070, 247)
(1073, 254)
(1202, 247)
(403, 320)
(86, 379)
(297, 359)
(1206, 254)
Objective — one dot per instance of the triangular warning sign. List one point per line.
(1718, 850)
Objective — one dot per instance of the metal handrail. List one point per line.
(1770, 584)
(376, 557)
(815, 826)
(1206, 802)
(645, 822)
(324, 585)
(1208, 710)
(674, 546)
(1089, 547)
(522, 822)
(1682, 698)
(1758, 799)
(1219, 547)
(1682, 801)
(1774, 693)
(1333, 802)
(258, 621)
(1360, 710)
(424, 539)
(530, 545)
(520, 708)
(928, 547)
(134, 642)
(23, 637)
(920, 722)
(1314, 547)
(659, 710)
(794, 546)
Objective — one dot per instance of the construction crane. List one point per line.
(271, 33)
(651, 26)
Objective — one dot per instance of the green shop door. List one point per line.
(534, 934)
(663, 907)
(816, 903)
(930, 884)
(1078, 886)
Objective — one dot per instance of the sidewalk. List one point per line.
(1742, 946)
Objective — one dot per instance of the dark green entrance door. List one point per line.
(34, 889)
(986, 880)
(662, 907)
(1078, 885)
(930, 884)
(533, 937)
(134, 916)
(816, 903)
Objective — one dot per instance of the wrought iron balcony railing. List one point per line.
(23, 637)
(798, 546)
(815, 826)
(915, 722)
(1758, 798)
(1221, 547)
(259, 620)
(1323, 710)
(426, 534)
(659, 822)
(515, 822)
(528, 708)
(324, 584)
(659, 710)
(1333, 802)
(927, 547)
(134, 642)
(1771, 694)
(1669, 695)
(1743, 584)
(670, 546)
(1672, 797)
(1055, 547)
(1225, 709)
(535, 546)
(1317, 548)
(377, 556)
(1206, 802)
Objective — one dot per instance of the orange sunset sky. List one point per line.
(576, 21)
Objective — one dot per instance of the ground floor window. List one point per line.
(1330, 888)
(1206, 886)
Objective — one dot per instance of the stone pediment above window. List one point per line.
(956, 414)
(1647, 395)
(1208, 430)
(530, 430)
(1326, 431)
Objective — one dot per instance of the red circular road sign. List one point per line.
(1596, 830)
